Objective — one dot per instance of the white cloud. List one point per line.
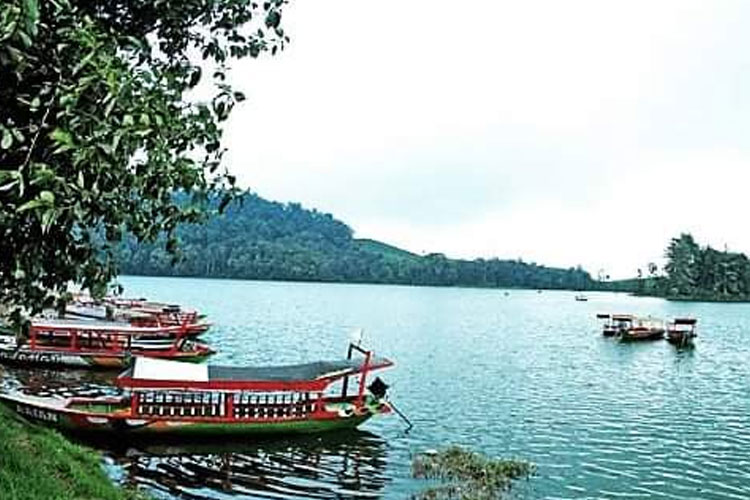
(577, 132)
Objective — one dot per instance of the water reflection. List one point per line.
(344, 465)
(58, 383)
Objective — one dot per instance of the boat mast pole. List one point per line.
(345, 387)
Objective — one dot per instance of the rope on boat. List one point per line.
(409, 425)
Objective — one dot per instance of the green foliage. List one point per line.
(259, 239)
(695, 273)
(467, 475)
(39, 464)
(97, 131)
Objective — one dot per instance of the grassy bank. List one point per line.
(37, 463)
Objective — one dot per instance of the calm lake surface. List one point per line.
(522, 374)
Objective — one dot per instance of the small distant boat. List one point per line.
(91, 344)
(682, 331)
(581, 298)
(163, 398)
(643, 329)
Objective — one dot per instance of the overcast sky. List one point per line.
(562, 132)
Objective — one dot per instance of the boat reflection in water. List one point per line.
(347, 464)
(57, 383)
(344, 464)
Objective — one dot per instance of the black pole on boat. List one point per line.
(345, 386)
(409, 425)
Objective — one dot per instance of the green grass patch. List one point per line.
(38, 463)
(466, 475)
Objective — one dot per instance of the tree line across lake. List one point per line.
(695, 272)
(259, 239)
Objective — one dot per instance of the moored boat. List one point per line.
(137, 312)
(642, 329)
(614, 324)
(682, 331)
(91, 344)
(162, 397)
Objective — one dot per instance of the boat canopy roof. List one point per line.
(685, 321)
(98, 312)
(150, 373)
(623, 317)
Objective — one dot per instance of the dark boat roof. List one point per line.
(685, 321)
(302, 371)
(153, 373)
(623, 317)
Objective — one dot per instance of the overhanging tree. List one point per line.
(97, 132)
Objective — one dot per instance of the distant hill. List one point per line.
(262, 239)
(384, 249)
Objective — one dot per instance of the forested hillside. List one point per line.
(703, 273)
(261, 239)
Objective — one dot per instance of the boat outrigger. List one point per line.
(171, 398)
(682, 331)
(89, 344)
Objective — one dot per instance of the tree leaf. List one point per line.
(7, 141)
(31, 9)
(61, 136)
(48, 218)
(30, 205)
(18, 135)
(47, 197)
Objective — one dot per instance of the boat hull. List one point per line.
(25, 356)
(638, 334)
(680, 338)
(66, 420)
(28, 357)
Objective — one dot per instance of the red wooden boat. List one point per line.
(682, 331)
(138, 312)
(171, 398)
(643, 329)
(93, 344)
(628, 328)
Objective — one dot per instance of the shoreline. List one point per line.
(333, 282)
(468, 287)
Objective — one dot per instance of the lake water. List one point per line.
(516, 374)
